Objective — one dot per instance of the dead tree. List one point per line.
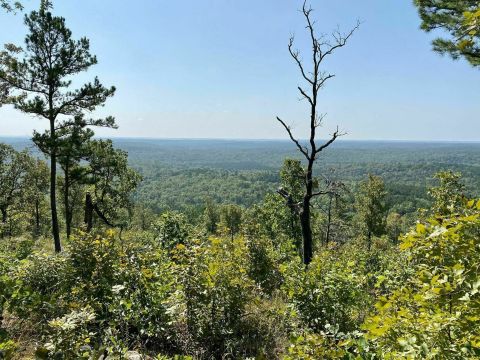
(315, 79)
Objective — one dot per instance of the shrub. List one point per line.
(435, 313)
(124, 286)
(331, 292)
(224, 312)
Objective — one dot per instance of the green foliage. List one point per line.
(434, 314)
(332, 291)
(37, 80)
(224, 310)
(14, 171)
(211, 216)
(292, 178)
(99, 292)
(371, 208)
(230, 219)
(69, 336)
(36, 196)
(11, 6)
(448, 197)
(264, 263)
(7, 348)
(460, 20)
(113, 181)
(171, 229)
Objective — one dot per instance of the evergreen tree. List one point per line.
(211, 216)
(37, 191)
(37, 80)
(460, 19)
(11, 6)
(72, 146)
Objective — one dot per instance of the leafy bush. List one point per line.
(331, 292)
(171, 229)
(70, 336)
(124, 286)
(435, 313)
(40, 286)
(224, 312)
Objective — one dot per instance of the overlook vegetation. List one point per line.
(199, 249)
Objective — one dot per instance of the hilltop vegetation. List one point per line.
(152, 249)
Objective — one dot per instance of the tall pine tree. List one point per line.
(37, 80)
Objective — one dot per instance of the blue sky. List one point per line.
(220, 69)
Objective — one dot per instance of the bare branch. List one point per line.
(296, 56)
(334, 137)
(319, 119)
(290, 203)
(315, 42)
(305, 95)
(323, 79)
(341, 41)
(302, 149)
(323, 192)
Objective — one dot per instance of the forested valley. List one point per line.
(129, 248)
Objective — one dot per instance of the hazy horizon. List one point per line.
(341, 140)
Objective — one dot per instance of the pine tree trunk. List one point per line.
(53, 190)
(68, 216)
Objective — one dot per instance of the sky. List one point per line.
(221, 69)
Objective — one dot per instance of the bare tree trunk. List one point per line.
(305, 213)
(306, 233)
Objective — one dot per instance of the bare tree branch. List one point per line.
(334, 137)
(296, 56)
(305, 95)
(302, 149)
(341, 40)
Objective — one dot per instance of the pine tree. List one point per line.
(37, 80)
(460, 19)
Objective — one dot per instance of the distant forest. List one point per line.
(182, 174)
